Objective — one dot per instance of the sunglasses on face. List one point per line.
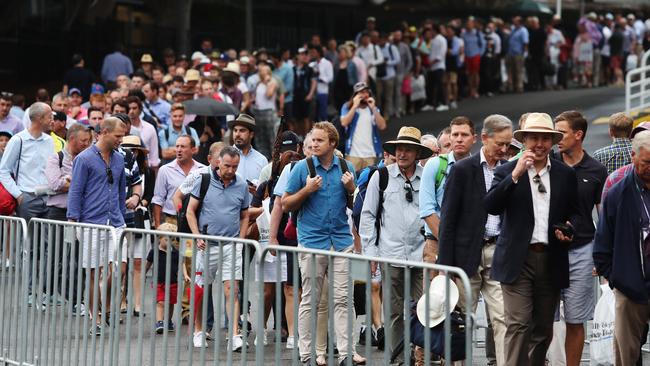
(540, 186)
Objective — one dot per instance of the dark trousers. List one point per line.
(529, 305)
(435, 88)
(56, 250)
(33, 206)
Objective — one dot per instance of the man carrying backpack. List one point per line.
(321, 188)
(435, 174)
(390, 225)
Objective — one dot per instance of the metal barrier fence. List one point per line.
(52, 299)
(637, 86)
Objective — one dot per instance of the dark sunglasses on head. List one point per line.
(109, 175)
(540, 186)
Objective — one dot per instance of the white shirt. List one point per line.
(262, 102)
(325, 76)
(362, 146)
(438, 52)
(607, 34)
(371, 56)
(541, 202)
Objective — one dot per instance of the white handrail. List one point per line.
(638, 99)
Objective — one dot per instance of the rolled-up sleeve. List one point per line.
(428, 200)
(55, 180)
(367, 222)
(77, 186)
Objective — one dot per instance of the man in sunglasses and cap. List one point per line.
(390, 225)
(536, 197)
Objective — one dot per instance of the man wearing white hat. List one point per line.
(390, 222)
(537, 198)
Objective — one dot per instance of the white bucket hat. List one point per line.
(437, 298)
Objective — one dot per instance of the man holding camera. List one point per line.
(362, 120)
(531, 257)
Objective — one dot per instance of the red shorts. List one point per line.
(173, 292)
(615, 62)
(473, 64)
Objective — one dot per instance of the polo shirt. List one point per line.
(222, 205)
(323, 220)
(591, 178)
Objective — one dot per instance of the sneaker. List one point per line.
(265, 340)
(7, 263)
(160, 327)
(362, 336)
(426, 108)
(79, 310)
(96, 330)
(199, 340)
(208, 336)
(236, 343)
(442, 108)
(291, 342)
(321, 361)
(453, 105)
(171, 327)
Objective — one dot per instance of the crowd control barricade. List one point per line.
(147, 281)
(359, 284)
(12, 233)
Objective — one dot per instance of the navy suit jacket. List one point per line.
(515, 203)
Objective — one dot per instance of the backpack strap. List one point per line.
(383, 183)
(205, 184)
(60, 154)
(442, 170)
(167, 135)
(344, 169)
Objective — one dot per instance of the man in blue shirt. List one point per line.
(474, 49)
(115, 64)
(97, 195)
(167, 135)
(323, 224)
(252, 161)
(517, 52)
(22, 168)
(154, 106)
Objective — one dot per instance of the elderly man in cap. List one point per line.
(390, 225)
(252, 161)
(536, 197)
(362, 121)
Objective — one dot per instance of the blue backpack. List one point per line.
(361, 195)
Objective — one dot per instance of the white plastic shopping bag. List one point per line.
(602, 336)
(556, 354)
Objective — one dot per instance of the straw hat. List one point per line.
(437, 299)
(539, 123)
(232, 67)
(192, 75)
(146, 58)
(408, 136)
(133, 142)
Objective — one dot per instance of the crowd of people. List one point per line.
(106, 153)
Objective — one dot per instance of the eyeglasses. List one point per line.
(109, 175)
(409, 191)
(540, 186)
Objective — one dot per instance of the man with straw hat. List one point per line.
(537, 198)
(390, 225)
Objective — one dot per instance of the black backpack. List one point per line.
(344, 169)
(183, 226)
(361, 195)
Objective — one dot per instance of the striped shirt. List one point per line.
(616, 155)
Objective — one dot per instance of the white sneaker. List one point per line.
(442, 108)
(453, 105)
(291, 343)
(79, 310)
(265, 341)
(237, 343)
(427, 108)
(7, 263)
(199, 340)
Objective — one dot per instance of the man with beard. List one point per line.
(252, 161)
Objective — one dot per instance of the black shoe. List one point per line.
(362, 336)
(381, 339)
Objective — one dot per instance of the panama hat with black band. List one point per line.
(410, 136)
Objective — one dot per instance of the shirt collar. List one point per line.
(621, 141)
(394, 171)
(317, 163)
(547, 167)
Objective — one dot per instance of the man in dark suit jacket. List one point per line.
(533, 194)
(467, 233)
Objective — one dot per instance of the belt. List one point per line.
(537, 247)
(490, 240)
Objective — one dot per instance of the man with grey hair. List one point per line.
(431, 142)
(22, 168)
(621, 250)
(467, 232)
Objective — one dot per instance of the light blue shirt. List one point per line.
(161, 108)
(173, 136)
(474, 43)
(518, 39)
(285, 73)
(392, 58)
(116, 64)
(33, 158)
(222, 206)
(430, 195)
(17, 112)
(251, 165)
(323, 220)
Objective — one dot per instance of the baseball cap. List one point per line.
(197, 56)
(360, 86)
(609, 16)
(74, 90)
(302, 50)
(289, 141)
(59, 116)
(371, 19)
(96, 89)
(644, 126)
(245, 60)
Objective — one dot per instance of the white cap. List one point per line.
(197, 56)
